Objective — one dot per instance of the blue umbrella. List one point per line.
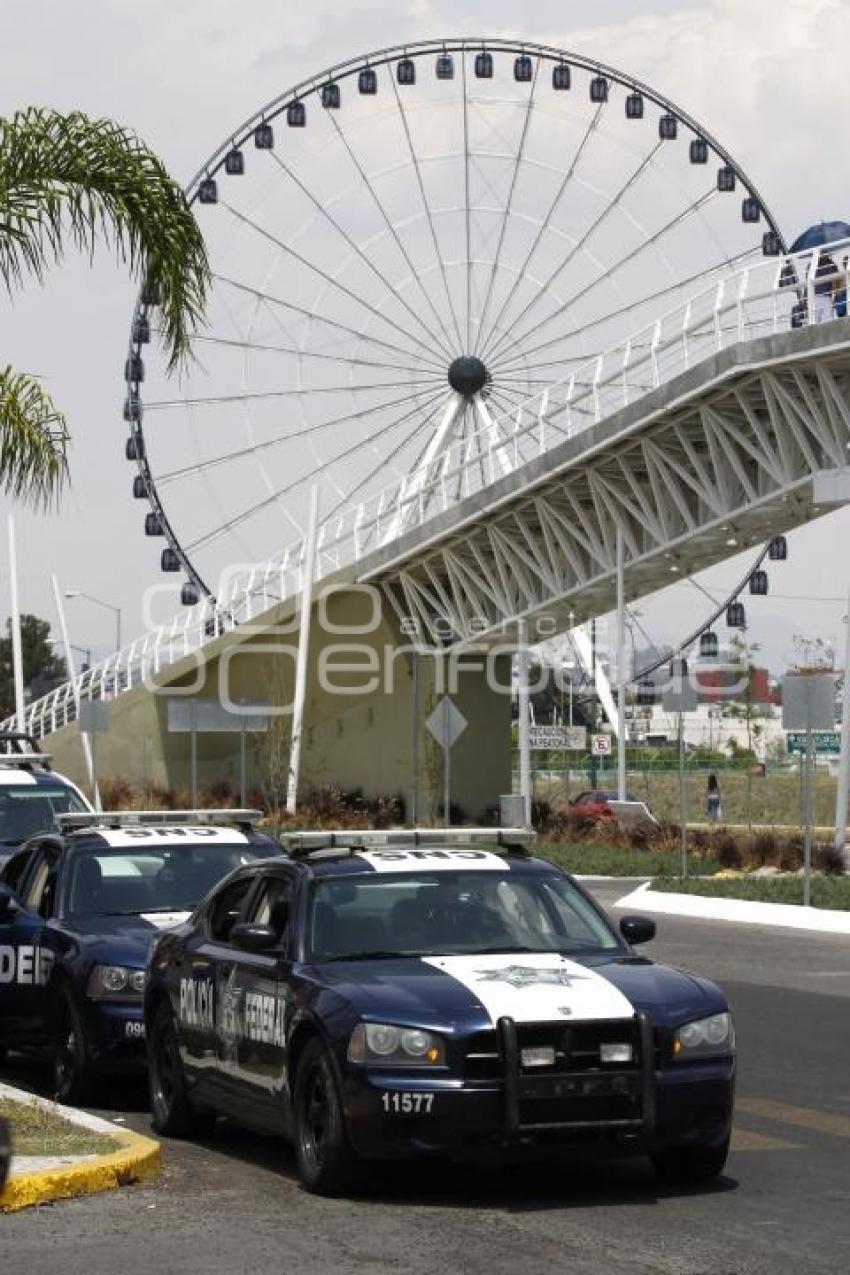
(823, 233)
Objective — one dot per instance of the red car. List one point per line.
(604, 803)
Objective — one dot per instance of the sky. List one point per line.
(767, 77)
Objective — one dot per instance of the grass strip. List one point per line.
(613, 861)
(827, 892)
(40, 1131)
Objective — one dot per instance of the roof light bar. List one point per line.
(303, 843)
(162, 818)
(25, 759)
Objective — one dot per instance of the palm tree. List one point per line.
(69, 179)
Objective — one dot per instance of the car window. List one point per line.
(272, 904)
(41, 890)
(13, 871)
(453, 913)
(28, 809)
(225, 908)
(168, 877)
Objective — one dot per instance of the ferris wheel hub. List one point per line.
(468, 375)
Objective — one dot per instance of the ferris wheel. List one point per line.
(404, 249)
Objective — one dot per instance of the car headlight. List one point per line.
(116, 982)
(705, 1037)
(385, 1045)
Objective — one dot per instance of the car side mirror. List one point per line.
(637, 929)
(254, 938)
(9, 906)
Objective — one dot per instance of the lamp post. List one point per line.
(109, 606)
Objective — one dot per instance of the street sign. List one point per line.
(600, 745)
(564, 738)
(680, 697)
(210, 716)
(447, 723)
(808, 701)
(825, 741)
(192, 716)
(94, 716)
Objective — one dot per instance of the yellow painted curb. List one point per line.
(137, 1159)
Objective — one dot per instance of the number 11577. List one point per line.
(408, 1104)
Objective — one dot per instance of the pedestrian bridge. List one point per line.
(695, 438)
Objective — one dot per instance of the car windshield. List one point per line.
(162, 878)
(28, 809)
(448, 913)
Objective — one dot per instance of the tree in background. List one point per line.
(43, 668)
(71, 179)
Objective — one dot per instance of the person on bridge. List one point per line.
(712, 799)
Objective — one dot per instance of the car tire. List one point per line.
(326, 1163)
(73, 1074)
(690, 1166)
(172, 1111)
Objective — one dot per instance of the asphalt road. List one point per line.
(233, 1204)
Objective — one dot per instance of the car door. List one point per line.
(205, 963)
(28, 949)
(258, 994)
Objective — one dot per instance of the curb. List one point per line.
(790, 916)
(136, 1159)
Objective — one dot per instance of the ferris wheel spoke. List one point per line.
(272, 300)
(262, 347)
(414, 273)
(387, 460)
(355, 247)
(211, 536)
(608, 274)
(494, 269)
(517, 361)
(281, 439)
(287, 249)
(612, 206)
(544, 224)
(163, 404)
(414, 159)
(467, 349)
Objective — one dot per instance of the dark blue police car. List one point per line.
(78, 910)
(400, 994)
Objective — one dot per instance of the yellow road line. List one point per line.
(829, 1122)
(744, 1140)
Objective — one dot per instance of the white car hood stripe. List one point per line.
(437, 859)
(535, 987)
(165, 920)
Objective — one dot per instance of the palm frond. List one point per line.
(33, 439)
(72, 178)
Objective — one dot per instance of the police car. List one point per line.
(413, 993)
(78, 910)
(31, 793)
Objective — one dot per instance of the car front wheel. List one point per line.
(690, 1166)
(173, 1112)
(326, 1163)
(72, 1069)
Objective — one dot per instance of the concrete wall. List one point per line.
(359, 715)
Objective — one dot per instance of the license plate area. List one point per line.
(579, 1085)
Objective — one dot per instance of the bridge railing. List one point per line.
(769, 296)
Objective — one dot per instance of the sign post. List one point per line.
(94, 720)
(844, 752)
(680, 698)
(446, 724)
(808, 704)
(192, 716)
